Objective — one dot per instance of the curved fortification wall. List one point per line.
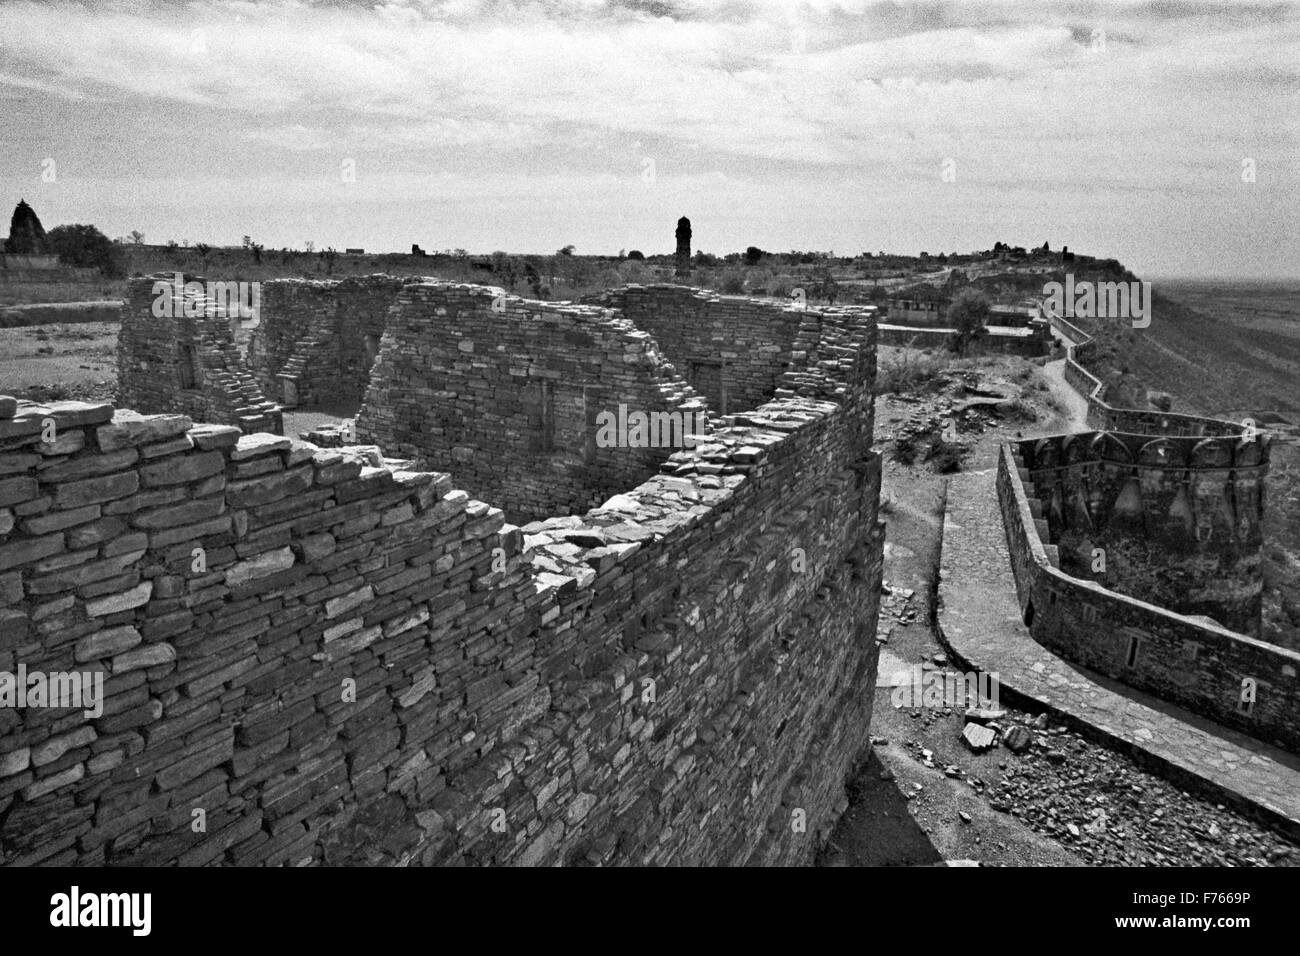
(1233, 678)
(324, 656)
(1136, 551)
(1172, 520)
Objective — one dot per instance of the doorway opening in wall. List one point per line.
(372, 350)
(710, 380)
(185, 366)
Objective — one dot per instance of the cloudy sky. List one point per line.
(1121, 129)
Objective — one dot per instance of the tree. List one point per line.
(86, 247)
(566, 251)
(137, 236)
(828, 288)
(753, 254)
(309, 246)
(636, 254)
(968, 314)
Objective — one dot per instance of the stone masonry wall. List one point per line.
(720, 344)
(337, 660)
(1185, 660)
(317, 340)
(505, 392)
(1178, 520)
(187, 363)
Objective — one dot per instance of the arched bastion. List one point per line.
(327, 656)
(1136, 552)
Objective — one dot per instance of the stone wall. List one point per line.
(336, 659)
(505, 394)
(1178, 521)
(1105, 417)
(732, 350)
(186, 362)
(1026, 346)
(317, 340)
(1205, 668)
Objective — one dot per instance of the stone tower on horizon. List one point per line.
(683, 247)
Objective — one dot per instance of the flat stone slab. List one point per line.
(981, 624)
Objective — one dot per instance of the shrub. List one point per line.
(906, 370)
(946, 458)
(86, 247)
(968, 314)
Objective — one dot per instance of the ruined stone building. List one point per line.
(351, 656)
(176, 352)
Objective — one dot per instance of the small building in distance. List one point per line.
(921, 306)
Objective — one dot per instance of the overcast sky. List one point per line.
(1121, 129)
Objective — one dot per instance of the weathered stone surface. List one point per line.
(56, 747)
(124, 601)
(180, 515)
(150, 655)
(978, 738)
(250, 446)
(59, 520)
(27, 550)
(1017, 739)
(177, 472)
(14, 490)
(214, 437)
(107, 643)
(95, 490)
(16, 761)
(269, 562)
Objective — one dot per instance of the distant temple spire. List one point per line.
(26, 234)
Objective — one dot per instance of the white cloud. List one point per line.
(863, 98)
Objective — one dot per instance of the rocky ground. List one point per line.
(1041, 794)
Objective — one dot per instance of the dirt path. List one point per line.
(908, 809)
(1077, 421)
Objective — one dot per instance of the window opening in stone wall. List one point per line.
(1132, 651)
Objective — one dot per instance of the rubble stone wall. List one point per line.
(728, 345)
(316, 341)
(320, 656)
(505, 393)
(186, 361)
